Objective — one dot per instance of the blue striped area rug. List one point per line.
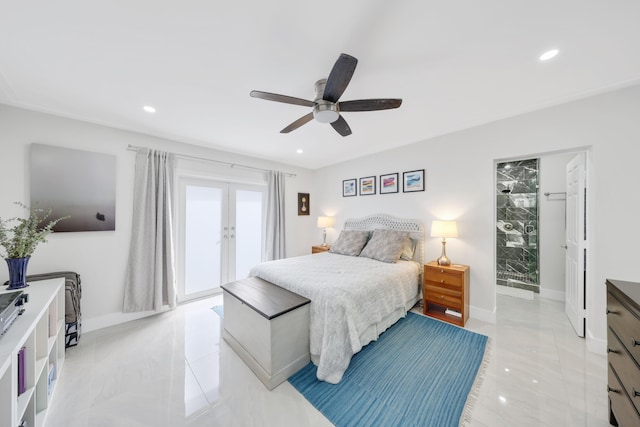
(418, 373)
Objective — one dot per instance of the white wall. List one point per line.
(101, 257)
(552, 224)
(460, 179)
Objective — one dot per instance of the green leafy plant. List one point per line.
(21, 239)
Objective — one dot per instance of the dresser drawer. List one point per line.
(625, 367)
(451, 298)
(625, 325)
(622, 408)
(444, 276)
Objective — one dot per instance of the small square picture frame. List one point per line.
(389, 183)
(349, 188)
(367, 186)
(413, 181)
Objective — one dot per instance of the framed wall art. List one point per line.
(413, 181)
(304, 206)
(389, 183)
(349, 188)
(368, 186)
(75, 183)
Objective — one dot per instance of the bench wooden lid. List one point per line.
(264, 297)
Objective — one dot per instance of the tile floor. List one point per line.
(175, 370)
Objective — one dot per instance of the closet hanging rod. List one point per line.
(559, 192)
(204, 159)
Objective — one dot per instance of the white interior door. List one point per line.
(576, 243)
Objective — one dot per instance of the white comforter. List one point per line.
(353, 300)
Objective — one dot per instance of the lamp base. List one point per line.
(443, 260)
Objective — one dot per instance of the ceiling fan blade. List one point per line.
(339, 77)
(295, 125)
(370, 104)
(341, 126)
(280, 98)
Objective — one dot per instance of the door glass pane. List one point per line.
(248, 231)
(203, 239)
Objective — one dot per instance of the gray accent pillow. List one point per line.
(408, 249)
(385, 245)
(350, 242)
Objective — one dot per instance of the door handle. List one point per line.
(564, 246)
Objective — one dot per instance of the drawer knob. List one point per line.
(441, 296)
(636, 393)
(441, 271)
(612, 390)
(610, 350)
(441, 281)
(635, 342)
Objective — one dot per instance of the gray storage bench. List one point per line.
(268, 327)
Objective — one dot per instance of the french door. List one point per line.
(220, 234)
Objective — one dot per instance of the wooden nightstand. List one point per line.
(446, 288)
(316, 249)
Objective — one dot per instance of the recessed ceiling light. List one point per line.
(549, 54)
(149, 109)
(299, 151)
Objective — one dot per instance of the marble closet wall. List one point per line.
(517, 224)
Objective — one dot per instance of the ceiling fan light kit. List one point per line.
(326, 108)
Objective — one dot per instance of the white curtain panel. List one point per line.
(275, 244)
(150, 276)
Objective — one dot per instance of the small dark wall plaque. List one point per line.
(303, 204)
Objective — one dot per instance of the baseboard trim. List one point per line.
(95, 323)
(554, 295)
(596, 345)
(482, 314)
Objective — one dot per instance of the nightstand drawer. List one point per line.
(450, 298)
(444, 276)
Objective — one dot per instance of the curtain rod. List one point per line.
(232, 165)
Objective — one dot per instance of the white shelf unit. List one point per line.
(40, 330)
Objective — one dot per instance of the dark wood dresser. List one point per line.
(623, 349)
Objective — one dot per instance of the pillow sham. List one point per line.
(385, 245)
(350, 242)
(408, 249)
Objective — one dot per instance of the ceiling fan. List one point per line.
(326, 108)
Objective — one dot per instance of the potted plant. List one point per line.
(20, 240)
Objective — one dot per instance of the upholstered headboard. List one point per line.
(377, 221)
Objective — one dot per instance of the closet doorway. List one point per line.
(537, 221)
(220, 234)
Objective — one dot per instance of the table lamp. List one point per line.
(325, 222)
(444, 229)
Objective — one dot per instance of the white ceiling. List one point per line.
(455, 64)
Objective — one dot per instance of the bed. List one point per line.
(355, 294)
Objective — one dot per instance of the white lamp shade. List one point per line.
(325, 221)
(444, 229)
